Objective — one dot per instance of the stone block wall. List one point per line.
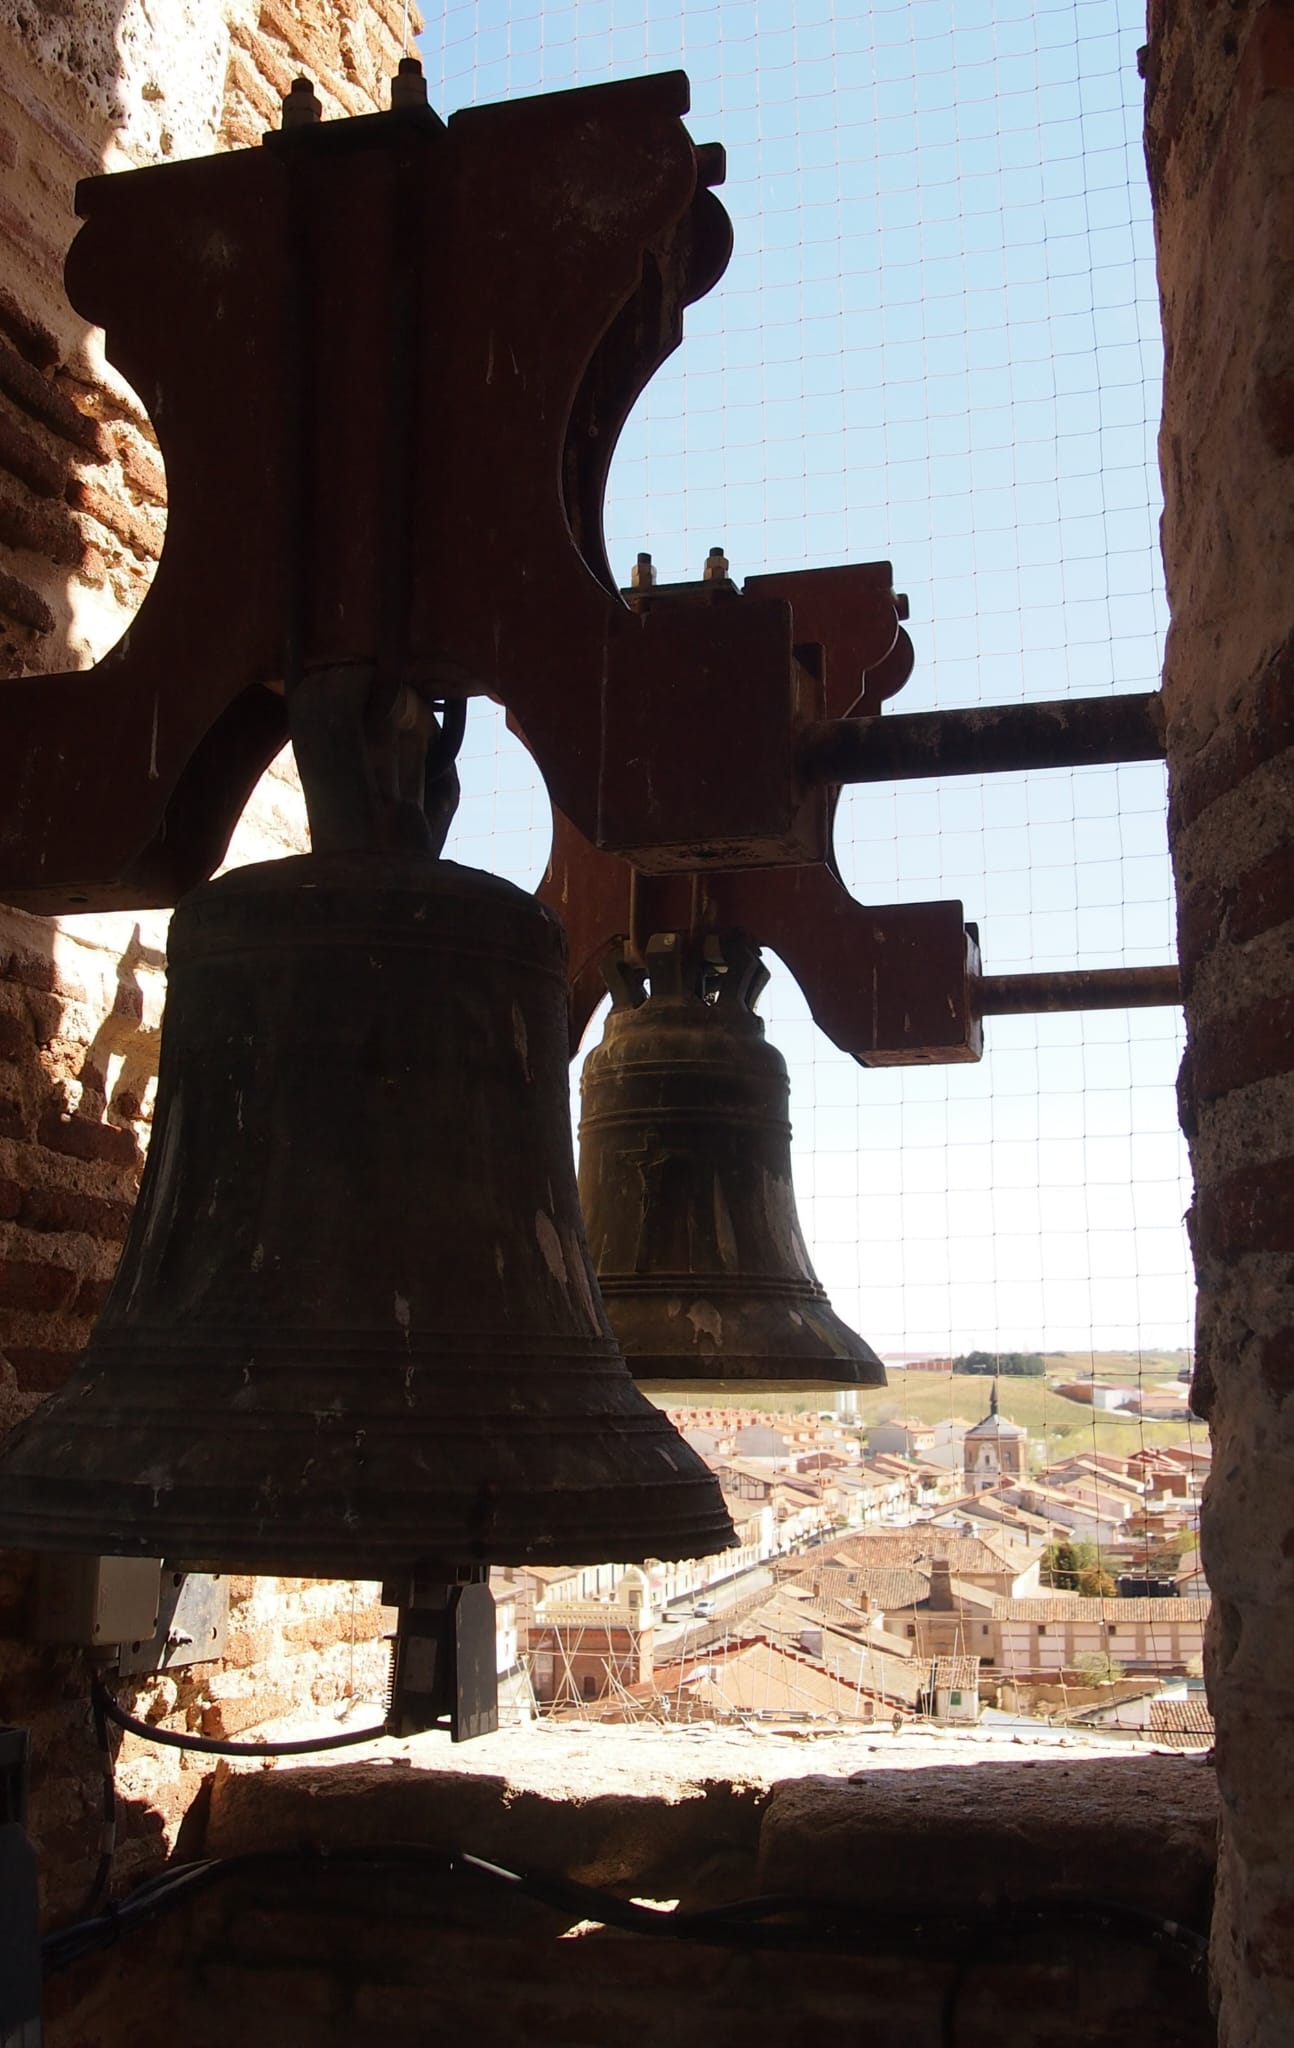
(912, 1870)
(87, 86)
(1220, 149)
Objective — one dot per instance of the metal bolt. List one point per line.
(643, 573)
(301, 109)
(408, 87)
(716, 566)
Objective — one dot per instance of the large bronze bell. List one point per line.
(685, 1183)
(355, 1326)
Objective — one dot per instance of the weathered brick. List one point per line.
(137, 468)
(13, 1118)
(32, 337)
(1251, 1210)
(46, 1014)
(91, 1297)
(1201, 912)
(250, 1646)
(27, 460)
(41, 399)
(227, 1718)
(1211, 912)
(38, 970)
(1276, 1364)
(15, 1038)
(316, 1631)
(77, 1137)
(35, 1284)
(25, 606)
(1230, 1051)
(1260, 729)
(65, 1209)
(140, 533)
(1263, 898)
(268, 60)
(41, 1372)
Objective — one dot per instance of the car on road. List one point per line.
(703, 1609)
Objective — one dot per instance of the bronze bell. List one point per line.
(685, 1183)
(355, 1325)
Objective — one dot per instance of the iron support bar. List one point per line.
(994, 739)
(1077, 988)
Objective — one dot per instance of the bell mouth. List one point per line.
(338, 1463)
(777, 1338)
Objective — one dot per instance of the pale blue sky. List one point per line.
(937, 342)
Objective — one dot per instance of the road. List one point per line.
(726, 1595)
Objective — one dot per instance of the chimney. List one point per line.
(941, 1598)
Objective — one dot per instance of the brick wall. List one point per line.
(88, 86)
(1220, 147)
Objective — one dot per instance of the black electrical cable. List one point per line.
(207, 1745)
(108, 1831)
(746, 1923)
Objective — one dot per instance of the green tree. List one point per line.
(1060, 1567)
(1011, 1364)
(1096, 1584)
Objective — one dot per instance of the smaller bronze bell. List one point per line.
(685, 1184)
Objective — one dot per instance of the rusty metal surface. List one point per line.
(685, 1184)
(355, 1324)
(1090, 988)
(1072, 732)
(192, 1624)
(335, 335)
(889, 984)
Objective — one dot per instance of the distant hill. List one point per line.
(1033, 1403)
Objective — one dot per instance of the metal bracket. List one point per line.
(192, 1624)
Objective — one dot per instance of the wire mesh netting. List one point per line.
(937, 343)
